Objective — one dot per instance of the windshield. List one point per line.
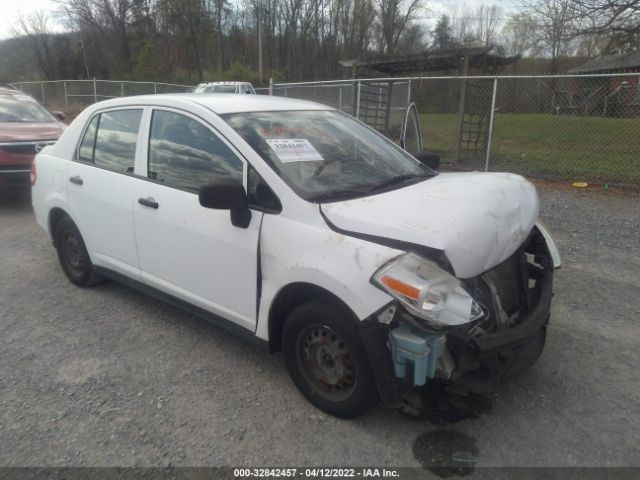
(327, 155)
(22, 108)
(217, 89)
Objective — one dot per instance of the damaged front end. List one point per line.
(507, 307)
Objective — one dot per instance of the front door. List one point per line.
(189, 251)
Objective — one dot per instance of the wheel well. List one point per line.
(287, 300)
(55, 215)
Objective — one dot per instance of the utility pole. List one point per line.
(84, 58)
(259, 42)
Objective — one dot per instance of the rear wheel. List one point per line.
(73, 254)
(327, 360)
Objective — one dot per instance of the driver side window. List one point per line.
(185, 154)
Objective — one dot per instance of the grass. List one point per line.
(594, 149)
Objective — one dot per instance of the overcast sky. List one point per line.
(11, 10)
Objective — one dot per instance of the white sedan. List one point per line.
(302, 229)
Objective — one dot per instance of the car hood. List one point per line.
(29, 132)
(477, 219)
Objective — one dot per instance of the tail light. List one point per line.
(33, 172)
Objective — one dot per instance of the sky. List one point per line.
(12, 10)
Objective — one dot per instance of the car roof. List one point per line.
(219, 103)
(10, 91)
(223, 83)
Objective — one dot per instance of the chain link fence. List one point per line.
(577, 128)
(565, 127)
(63, 93)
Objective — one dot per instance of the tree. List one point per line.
(36, 31)
(556, 28)
(613, 25)
(520, 35)
(442, 34)
(394, 17)
(485, 24)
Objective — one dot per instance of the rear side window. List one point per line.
(110, 140)
(185, 154)
(85, 153)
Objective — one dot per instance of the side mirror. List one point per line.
(227, 195)
(430, 159)
(59, 115)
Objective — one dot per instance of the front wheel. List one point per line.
(327, 360)
(73, 254)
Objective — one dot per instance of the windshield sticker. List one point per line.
(294, 150)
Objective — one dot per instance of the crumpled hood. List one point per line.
(477, 219)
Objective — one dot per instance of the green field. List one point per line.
(594, 149)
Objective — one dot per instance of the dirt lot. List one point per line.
(107, 376)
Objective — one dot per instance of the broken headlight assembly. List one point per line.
(435, 297)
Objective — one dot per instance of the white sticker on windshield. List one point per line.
(294, 150)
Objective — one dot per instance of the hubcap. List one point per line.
(327, 362)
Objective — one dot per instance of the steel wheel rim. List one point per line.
(327, 363)
(73, 252)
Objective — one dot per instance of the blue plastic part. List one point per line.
(412, 346)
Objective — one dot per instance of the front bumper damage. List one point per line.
(475, 357)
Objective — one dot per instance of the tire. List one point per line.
(73, 254)
(326, 359)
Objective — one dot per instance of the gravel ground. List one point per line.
(107, 376)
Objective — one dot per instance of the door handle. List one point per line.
(77, 180)
(148, 202)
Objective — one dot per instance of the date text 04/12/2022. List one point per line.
(315, 472)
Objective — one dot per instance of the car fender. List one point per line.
(298, 252)
(49, 191)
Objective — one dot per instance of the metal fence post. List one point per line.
(271, 86)
(95, 91)
(358, 100)
(66, 99)
(491, 115)
(42, 92)
(122, 89)
(340, 98)
(408, 93)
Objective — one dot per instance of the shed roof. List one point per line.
(609, 63)
(432, 61)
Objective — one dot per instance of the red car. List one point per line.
(25, 128)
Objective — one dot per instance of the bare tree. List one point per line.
(485, 24)
(520, 35)
(394, 16)
(35, 29)
(108, 20)
(556, 28)
(617, 21)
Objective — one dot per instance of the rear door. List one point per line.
(101, 185)
(189, 251)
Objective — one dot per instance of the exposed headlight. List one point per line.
(427, 291)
